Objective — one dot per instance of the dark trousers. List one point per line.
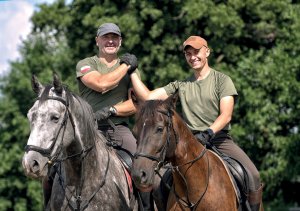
(121, 136)
(225, 144)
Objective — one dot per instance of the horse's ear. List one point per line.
(36, 85)
(172, 100)
(57, 83)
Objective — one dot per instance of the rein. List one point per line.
(79, 204)
(161, 163)
(182, 202)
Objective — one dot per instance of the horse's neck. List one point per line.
(192, 167)
(83, 144)
(78, 167)
(188, 148)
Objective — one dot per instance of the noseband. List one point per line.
(47, 152)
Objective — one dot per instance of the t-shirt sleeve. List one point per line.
(171, 87)
(85, 66)
(227, 88)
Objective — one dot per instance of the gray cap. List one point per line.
(108, 28)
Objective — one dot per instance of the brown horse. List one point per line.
(200, 179)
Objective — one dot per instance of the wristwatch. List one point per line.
(113, 110)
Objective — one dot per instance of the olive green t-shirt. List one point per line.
(99, 100)
(200, 100)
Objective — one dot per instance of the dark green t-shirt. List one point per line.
(200, 100)
(99, 100)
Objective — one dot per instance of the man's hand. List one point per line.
(105, 112)
(131, 60)
(205, 137)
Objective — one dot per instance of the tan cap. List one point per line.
(195, 41)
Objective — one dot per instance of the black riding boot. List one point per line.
(255, 199)
(147, 201)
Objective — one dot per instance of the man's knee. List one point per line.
(256, 179)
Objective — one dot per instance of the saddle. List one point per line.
(126, 158)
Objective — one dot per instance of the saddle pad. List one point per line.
(129, 180)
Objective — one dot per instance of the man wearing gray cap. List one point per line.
(104, 82)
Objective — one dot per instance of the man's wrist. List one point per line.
(113, 110)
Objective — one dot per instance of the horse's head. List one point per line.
(52, 127)
(156, 139)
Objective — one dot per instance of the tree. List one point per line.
(255, 42)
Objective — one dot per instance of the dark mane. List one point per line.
(88, 119)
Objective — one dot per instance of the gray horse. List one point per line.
(88, 174)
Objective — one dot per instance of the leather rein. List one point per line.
(161, 163)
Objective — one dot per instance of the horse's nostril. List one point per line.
(143, 176)
(35, 166)
(143, 173)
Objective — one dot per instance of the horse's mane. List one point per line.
(89, 122)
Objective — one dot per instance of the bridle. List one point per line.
(79, 203)
(161, 163)
(47, 152)
(161, 159)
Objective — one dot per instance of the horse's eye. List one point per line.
(54, 118)
(159, 129)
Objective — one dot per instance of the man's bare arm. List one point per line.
(104, 82)
(226, 109)
(144, 93)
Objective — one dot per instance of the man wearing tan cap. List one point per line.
(207, 98)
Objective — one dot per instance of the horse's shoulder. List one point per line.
(222, 165)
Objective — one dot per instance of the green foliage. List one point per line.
(255, 42)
